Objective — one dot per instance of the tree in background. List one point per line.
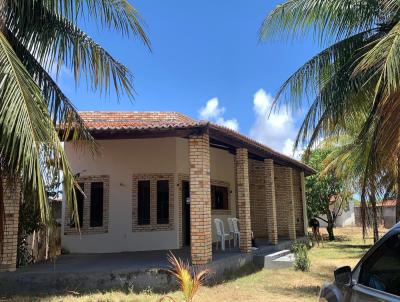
(358, 73)
(351, 161)
(327, 195)
(37, 37)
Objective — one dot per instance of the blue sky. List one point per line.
(206, 63)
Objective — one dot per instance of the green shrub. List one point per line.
(302, 262)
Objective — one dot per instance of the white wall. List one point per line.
(120, 159)
(347, 217)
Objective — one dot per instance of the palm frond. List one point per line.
(384, 59)
(56, 42)
(60, 108)
(28, 137)
(326, 19)
(114, 14)
(311, 76)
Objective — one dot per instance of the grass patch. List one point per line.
(252, 285)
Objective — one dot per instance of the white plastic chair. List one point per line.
(221, 235)
(232, 230)
(236, 232)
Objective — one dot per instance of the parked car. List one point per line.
(375, 278)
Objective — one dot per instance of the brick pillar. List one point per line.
(200, 199)
(269, 182)
(243, 196)
(288, 187)
(11, 199)
(304, 202)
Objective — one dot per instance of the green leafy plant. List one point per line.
(189, 283)
(29, 221)
(302, 261)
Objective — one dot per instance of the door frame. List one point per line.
(185, 187)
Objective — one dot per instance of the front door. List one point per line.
(186, 212)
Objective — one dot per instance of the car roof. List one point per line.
(397, 225)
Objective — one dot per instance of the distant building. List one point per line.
(386, 211)
(346, 216)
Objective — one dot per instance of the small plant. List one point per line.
(302, 262)
(188, 283)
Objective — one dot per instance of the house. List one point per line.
(161, 178)
(344, 213)
(386, 212)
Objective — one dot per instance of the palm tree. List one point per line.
(358, 72)
(36, 37)
(350, 161)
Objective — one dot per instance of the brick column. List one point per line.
(11, 200)
(288, 181)
(269, 183)
(304, 200)
(200, 199)
(243, 196)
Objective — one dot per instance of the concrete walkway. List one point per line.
(132, 270)
(112, 262)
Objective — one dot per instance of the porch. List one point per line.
(129, 270)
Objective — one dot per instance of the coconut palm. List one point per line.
(350, 161)
(357, 72)
(38, 37)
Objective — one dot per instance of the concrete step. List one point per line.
(267, 261)
(283, 262)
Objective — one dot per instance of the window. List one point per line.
(144, 202)
(381, 270)
(162, 202)
(92, 208)
(96, 204)
(219, 198)
(79, 202)
(152, 203)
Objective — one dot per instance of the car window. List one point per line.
(382, 269)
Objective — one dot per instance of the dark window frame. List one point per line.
(144, 202)
(96, 206)
(218, 192)
(163, 201)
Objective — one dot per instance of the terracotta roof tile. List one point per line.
(103, 120)
(389, 203)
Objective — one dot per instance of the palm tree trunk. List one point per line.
(363, 211)
(398, 189)
(330, 226)
(2, 215)
(372, 198)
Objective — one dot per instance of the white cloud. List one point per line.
(214, 113)
(274, 129)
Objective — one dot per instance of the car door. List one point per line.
(379, 274)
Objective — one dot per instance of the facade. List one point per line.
(160, 178)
